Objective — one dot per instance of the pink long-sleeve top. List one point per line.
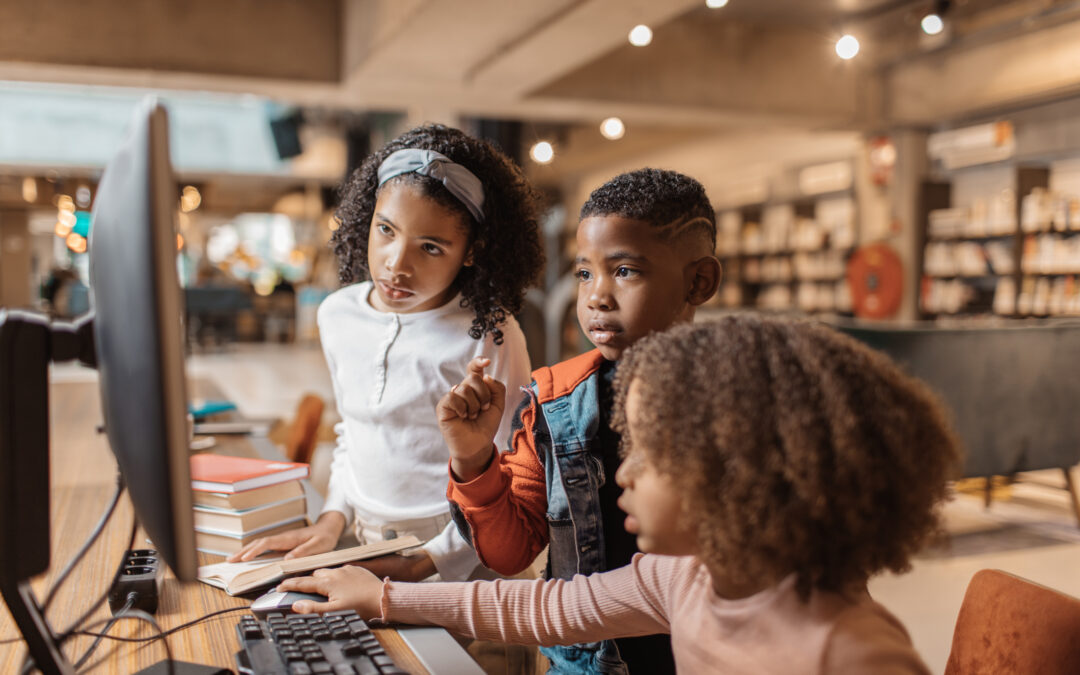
(773, 631)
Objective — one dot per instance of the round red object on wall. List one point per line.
(876, 277)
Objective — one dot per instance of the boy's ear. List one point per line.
(704, 276)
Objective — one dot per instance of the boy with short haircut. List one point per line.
(645, 261)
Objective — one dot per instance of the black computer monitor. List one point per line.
(134, 337)
(137, 303)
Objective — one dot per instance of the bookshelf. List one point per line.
(788, 256)
(971, 263)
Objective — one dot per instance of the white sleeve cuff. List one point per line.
(454, 559)
(336, 502)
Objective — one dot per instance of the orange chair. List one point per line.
(304, 431)
(1011, 625)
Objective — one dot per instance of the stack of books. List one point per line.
(239, 499)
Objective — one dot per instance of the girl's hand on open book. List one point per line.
(318, 538)
(469, 417)
(348, 587)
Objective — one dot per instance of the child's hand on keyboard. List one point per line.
(348, 587)
(469, 417)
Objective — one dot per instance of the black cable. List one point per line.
(104, 596)
(28, 663)
(89, 542)
(172, 630)
(131, 598)
(142, 616)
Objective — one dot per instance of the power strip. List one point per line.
(141, 574)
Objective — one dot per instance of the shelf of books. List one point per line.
(789, 256)
(980, 252)
(239, 499)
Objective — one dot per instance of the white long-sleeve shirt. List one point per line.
(389, 372)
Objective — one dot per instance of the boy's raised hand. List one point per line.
(469, 417)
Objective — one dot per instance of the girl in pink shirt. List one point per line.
(771, 467)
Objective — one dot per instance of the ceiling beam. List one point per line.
(280, 39)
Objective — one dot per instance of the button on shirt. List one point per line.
(389, 372)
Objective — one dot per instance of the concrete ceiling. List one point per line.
(755, 64)
(752, 62)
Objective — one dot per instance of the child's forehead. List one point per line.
(615, 232)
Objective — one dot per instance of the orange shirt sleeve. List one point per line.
(506, 506)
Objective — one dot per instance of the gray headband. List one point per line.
(461, 182)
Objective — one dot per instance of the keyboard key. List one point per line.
(343, 669)
(252, 632)
(294, 656)
(321, 636)
(321, 667)
(342, 612)
(365, 666)
(342, 634)
(369, 642)
(382, 660)
(352, 648)
(299, 668)
(275, 615)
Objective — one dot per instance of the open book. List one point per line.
(237, 578)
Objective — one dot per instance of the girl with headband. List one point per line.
(439, 239)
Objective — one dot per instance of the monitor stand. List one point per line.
(28, 343)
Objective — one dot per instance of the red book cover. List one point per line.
(221, 473)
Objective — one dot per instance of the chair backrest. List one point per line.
(1011, 625)
(303, 433)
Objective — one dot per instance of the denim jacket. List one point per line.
(563, 431)
(575, 526)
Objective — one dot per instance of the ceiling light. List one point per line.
(29, 189)
(190, 199)
(542, 152)
(715, 4)
(641, 35)
(612, 128)
(932, 24)
(76, 243)
(847, 47)
(82, 197)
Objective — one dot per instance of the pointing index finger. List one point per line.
(477, 365)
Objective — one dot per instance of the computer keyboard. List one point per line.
(338, 643)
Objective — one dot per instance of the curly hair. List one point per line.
(506, 250)
(667, 200)
(798, 448)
